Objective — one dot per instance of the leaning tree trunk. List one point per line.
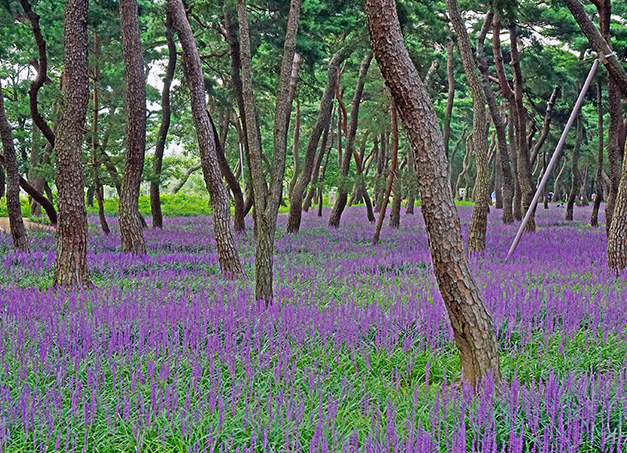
(70, 266)
(574, 171)
(322, 124)
(472, 324)
(598, 177)
(313, 189)
(480, 126)
(342, 196)
(131, 228)
(14, 208)
(225, 244)
(157, 163)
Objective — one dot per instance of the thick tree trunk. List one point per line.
(574, 171)
(157, 163)
(598, 177)
(342, 196)
(70, 267)
(14, 208)
(322, 124)
(131, 229)
(480, 126)
(225, 244)
(267, 199)
(472, 324)
(527, 187)
(94, 139)
(505, 191)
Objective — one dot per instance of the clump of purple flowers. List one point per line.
(355, 355)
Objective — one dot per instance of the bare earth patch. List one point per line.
(6, 228)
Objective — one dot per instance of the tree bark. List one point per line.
(472, 324)
(179, 185)
(14, 208)
(322, 124)
(94, 139)
(131, 229)
(504, 172)
(574, 171)
(225, 244)
(328, 132)
(546, 125)
(267, 199)
(480, 126)
(598, 177)
(342, 196)
(395, 210)
(450, 99)
(162, 134)
(70, 267)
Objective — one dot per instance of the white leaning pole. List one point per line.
(553, 160)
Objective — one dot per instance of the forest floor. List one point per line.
(355, 354)
(6, 227)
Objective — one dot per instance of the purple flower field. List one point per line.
(355, 355)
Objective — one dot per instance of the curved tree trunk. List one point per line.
(70, 266)
(598, 177)
(472, 324)
(318, 162)
(342, 196)
(14, 208)
(574, 171)
(480, 126)
(131, 228)
(225, 244)
(157, 163)
(322, 124)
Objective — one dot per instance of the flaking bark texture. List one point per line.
(342, 190)
(480, 126)
(225, 244)
(472, 324)
(70, 267)
(322, 124)
(131, 228)
(162, 134)
(14, 208)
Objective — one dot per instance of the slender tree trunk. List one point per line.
(33, 178)
(70, 267)
(3, 181)
(225, 244)
(388, 189)
(505, 191)
(317, 164)
(471, 322)
(395, 211)
(131, 229)
(94, 139)
(322, 124)
(557, 189)
(480, 126)
(267, 199)
(546, 124)
(14, 208)
(574, 170)
(465, 168)
(598, 177)
(450, 99)
(157, 163)
(583, 191)
(340, 204)
(179, 185)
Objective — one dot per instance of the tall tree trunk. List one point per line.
(70, 267)
(471, 322)
(14, 208)
(322, 124)
(131, 228)
(506, 190)
(574, 171)
(267, 199)
(480, 126)
(225, 244)
(3, 181)
(318, 162)
(598, 177)
(340, 204)
(395, 211)
(157, 163)
(450, 99)
(94, 139)
(295, 150)
(388, 189)
(546, 124)
(527, 188)
(33, 177)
